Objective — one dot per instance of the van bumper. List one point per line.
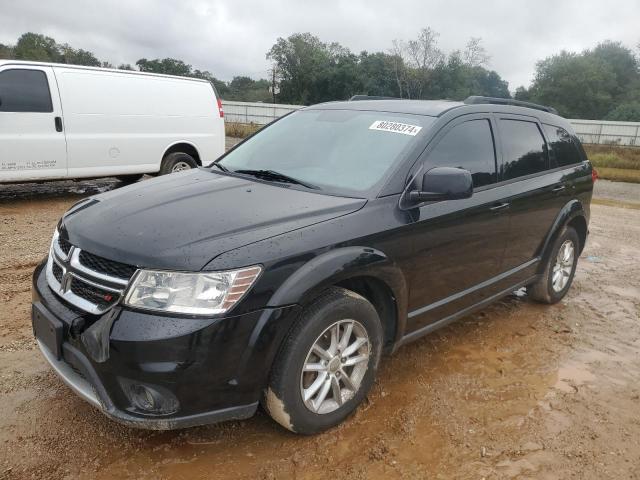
(162, 373)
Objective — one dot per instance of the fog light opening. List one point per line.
(150, 399)
(143, 398)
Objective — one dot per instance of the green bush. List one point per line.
(626, 112)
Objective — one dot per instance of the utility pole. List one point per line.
(273, 83)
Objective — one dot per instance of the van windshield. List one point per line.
(344, 152)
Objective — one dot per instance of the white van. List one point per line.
(63, 121)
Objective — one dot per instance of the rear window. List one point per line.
(341, 151)
(563, 150)
(524, 149)
(24, 90)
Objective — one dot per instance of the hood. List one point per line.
(184, 220)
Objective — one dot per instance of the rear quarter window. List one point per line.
(524, 149)
(562, 149)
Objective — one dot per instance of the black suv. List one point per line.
(281, 273)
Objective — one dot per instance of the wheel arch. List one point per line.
(185, 147)
(363, 270)
(381, 296)
(572, 214)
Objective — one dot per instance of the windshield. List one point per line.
(347, 152)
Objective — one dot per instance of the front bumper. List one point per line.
(214, 368)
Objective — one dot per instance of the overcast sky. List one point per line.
(231, 37)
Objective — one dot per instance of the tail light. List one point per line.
(594, 175)
(220, 110)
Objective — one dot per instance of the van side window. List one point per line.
(469, 146)
(23, 90)
(524, 149)
(563, 150)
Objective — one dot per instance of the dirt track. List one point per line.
(518, 390)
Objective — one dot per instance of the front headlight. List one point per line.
(202, 293)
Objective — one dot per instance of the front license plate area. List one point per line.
(47, 329)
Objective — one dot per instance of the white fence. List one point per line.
(258, 113)
(603, 132)
(589, 131)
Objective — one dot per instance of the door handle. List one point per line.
(58, 123)
(499, 206)
(558, 189)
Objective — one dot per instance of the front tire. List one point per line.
(327, 364)
(177, 162)
(559, 270)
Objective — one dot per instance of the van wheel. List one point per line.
(559, 269)
(327, 364)
(129, 179)
(177, 162)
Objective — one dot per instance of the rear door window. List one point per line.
(23, 90)
(563, 150)
(524, 149)
(468, 145)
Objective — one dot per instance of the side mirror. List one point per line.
(444, 183)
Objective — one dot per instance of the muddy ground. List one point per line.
(518, 390)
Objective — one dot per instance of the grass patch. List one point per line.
(615, 203)
(610, 156)
(240, 130)
(619, 164)
(619, 174)
(611, 160)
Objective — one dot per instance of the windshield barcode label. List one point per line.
(395, 127)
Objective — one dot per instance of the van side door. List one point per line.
(32, 138)
(458, 244)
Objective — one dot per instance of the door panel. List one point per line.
(533, 208)
(536, 194)
(30, 146)
(458, 244)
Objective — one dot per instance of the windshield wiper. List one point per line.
(220, 166)
(276, 177)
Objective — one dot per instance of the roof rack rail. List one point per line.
(371, 97)
(478, 100)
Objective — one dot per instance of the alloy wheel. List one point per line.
(563, 266)
(335, 366)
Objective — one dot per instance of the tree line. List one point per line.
(37, 47)
(598, 83)
(308, 70)
(602, 83)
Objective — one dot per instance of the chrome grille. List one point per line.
(108, 267)
(89, 282)
(57, 272)
(102, 298)
(64, 245)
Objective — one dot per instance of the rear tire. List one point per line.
(177, 162)
(129, 179)
(336, 346)
(560, 268)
